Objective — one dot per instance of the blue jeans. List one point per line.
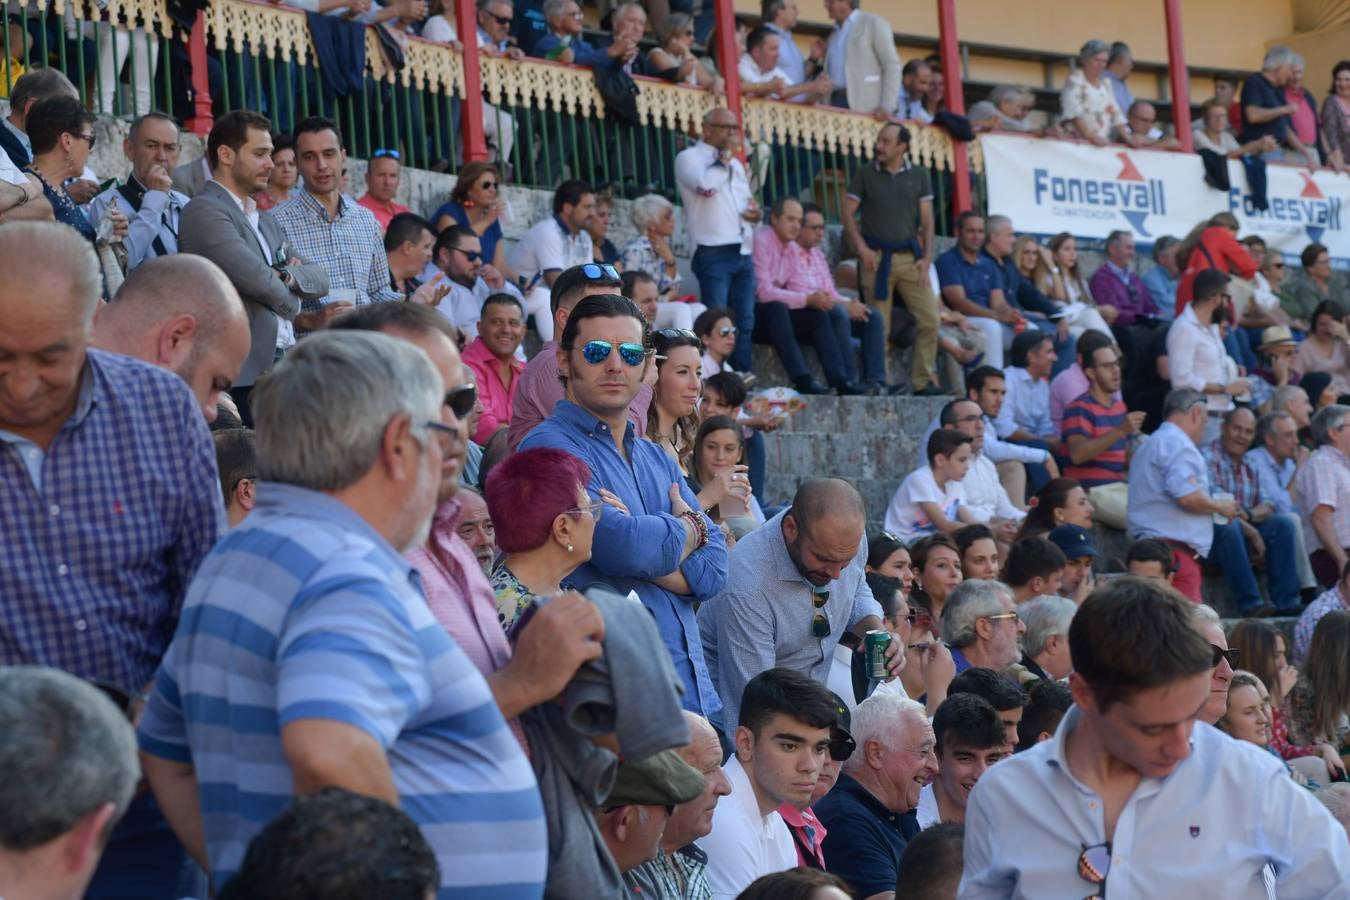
(726, 277)
(872, 334)
(1229, 553)
(144, 861)
(756, 458)
(1037, 473)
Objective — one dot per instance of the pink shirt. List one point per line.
(1304, 118)
(496, 397)
(776, 266)
(798, 821)
(382, 212)
(538, 390)
(814, 273)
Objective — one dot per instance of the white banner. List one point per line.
(1048, 186)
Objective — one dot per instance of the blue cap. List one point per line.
(1074, 540)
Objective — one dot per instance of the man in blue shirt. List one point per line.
(1040, 311)
(665, 550)
(1161, 281)
(308, 656)
(972, 284)
(1133, 794)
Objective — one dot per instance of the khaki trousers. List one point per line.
(917, 294)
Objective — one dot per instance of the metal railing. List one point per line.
(128, 56)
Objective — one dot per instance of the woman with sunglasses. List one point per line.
(545, 524)
(717, 332)
(719, 477)
(61, 131)
(476, 202)
(672, 418)
(673, 57)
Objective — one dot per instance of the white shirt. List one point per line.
(1197, 355)
(1026, 405)
(1215, 827)
(10, 173)
(997, 449)
(927, 812)
(906, 519)
(549, 247)
(440, 28)
(715, 194)
(743, 845)
(985, 496)
(751, 73)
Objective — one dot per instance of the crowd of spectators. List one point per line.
(398, 603)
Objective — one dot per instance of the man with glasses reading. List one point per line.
(1133, 797)
(793, 587)
(665, 550)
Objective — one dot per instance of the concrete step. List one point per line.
(892, 416)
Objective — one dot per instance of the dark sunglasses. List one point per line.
(820, 626)
(488, 186)
(461, 400)
(842, 746)
(392, 154)
(1221, 654)
(1093, 865)
(470, 255)
(596, 271)
(675, 334)
(91, 138)
(501, 20)
(597, 352)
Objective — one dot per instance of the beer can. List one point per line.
(877, 642)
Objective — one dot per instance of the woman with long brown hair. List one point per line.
(1319, 704)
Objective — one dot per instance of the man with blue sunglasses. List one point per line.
(665, 550)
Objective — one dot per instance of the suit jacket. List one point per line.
(871, 65)
(190, 178)
(213, 225)
(13, 148)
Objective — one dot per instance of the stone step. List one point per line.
(894, 416)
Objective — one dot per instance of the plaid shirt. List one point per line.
(682, 875)
(350, 248)
(1236, 478)
(814, 274)
(104, 530)
(1324, 480)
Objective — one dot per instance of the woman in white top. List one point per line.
(717, 331)
(1215, 136)
(673, 57)
(1038, 264)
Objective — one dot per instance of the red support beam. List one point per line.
(471, 119)
(728, 58)
(956, 103)
(1181, 82)
(201, 120)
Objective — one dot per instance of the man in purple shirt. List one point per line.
(1118, 287)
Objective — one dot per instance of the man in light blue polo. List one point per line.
(1133, 797)
(307, 655)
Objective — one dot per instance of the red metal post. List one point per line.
(955, 99)
(201, 120)
(728, 57)
(471, 120)
(1181, 82)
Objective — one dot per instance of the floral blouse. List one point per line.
(513, 598)
(1300, 719)
(1080, 100)
(638, 256)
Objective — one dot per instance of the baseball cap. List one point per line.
(1074, 540)
(662, 779)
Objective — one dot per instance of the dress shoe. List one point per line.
(850, 389)
(930, 390)
(807, 385)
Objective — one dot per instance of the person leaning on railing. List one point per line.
(673, 57)
(1088, 104)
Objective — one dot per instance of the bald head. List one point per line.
(827, 498)
(719, 128)
(181, 313)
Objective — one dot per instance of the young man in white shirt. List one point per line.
(1133, 793)
(551, 246)
(782, 743)
(931, 498)
(762, 77)
(970, 739)
(1197, 355)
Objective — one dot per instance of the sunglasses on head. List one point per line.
(677, 334)
(392, 154)
(597, 271)
(461, 400)
(1221, 654)
(597, 352)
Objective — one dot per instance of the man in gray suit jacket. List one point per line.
(861, 60)
(223, 224)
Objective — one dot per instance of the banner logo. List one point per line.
(1312, 211)
(1129, 195)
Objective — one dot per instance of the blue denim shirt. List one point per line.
(630, 550)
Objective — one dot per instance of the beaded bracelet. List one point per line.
(700, 526)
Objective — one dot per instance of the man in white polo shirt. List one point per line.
(782, 742)
(552, 245)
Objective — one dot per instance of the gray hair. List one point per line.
(623, 10)
(555, 7)
(648, 210)
(1277, 56)
(1283, 395)
(1325, 420)
(1181, 400)
(1092, 48)
(1203, 612)
(1045, 616)
(486, 5)
(34, 250)
(1006, 92)
(1266, 425)
(322, 412)
(1118, 49)
(881, 717)
(971, 601)
(67, 751)
(995, 222)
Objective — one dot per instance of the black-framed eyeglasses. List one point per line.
(1221, 654)
(820, 625)
(92, 139)
(470, 255)
(596, 352)
(1093, 865)
(392, 154)
(461, 400)
(594, 509)
(501, 20)
(597, 271)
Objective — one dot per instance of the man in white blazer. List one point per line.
(861, 60)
